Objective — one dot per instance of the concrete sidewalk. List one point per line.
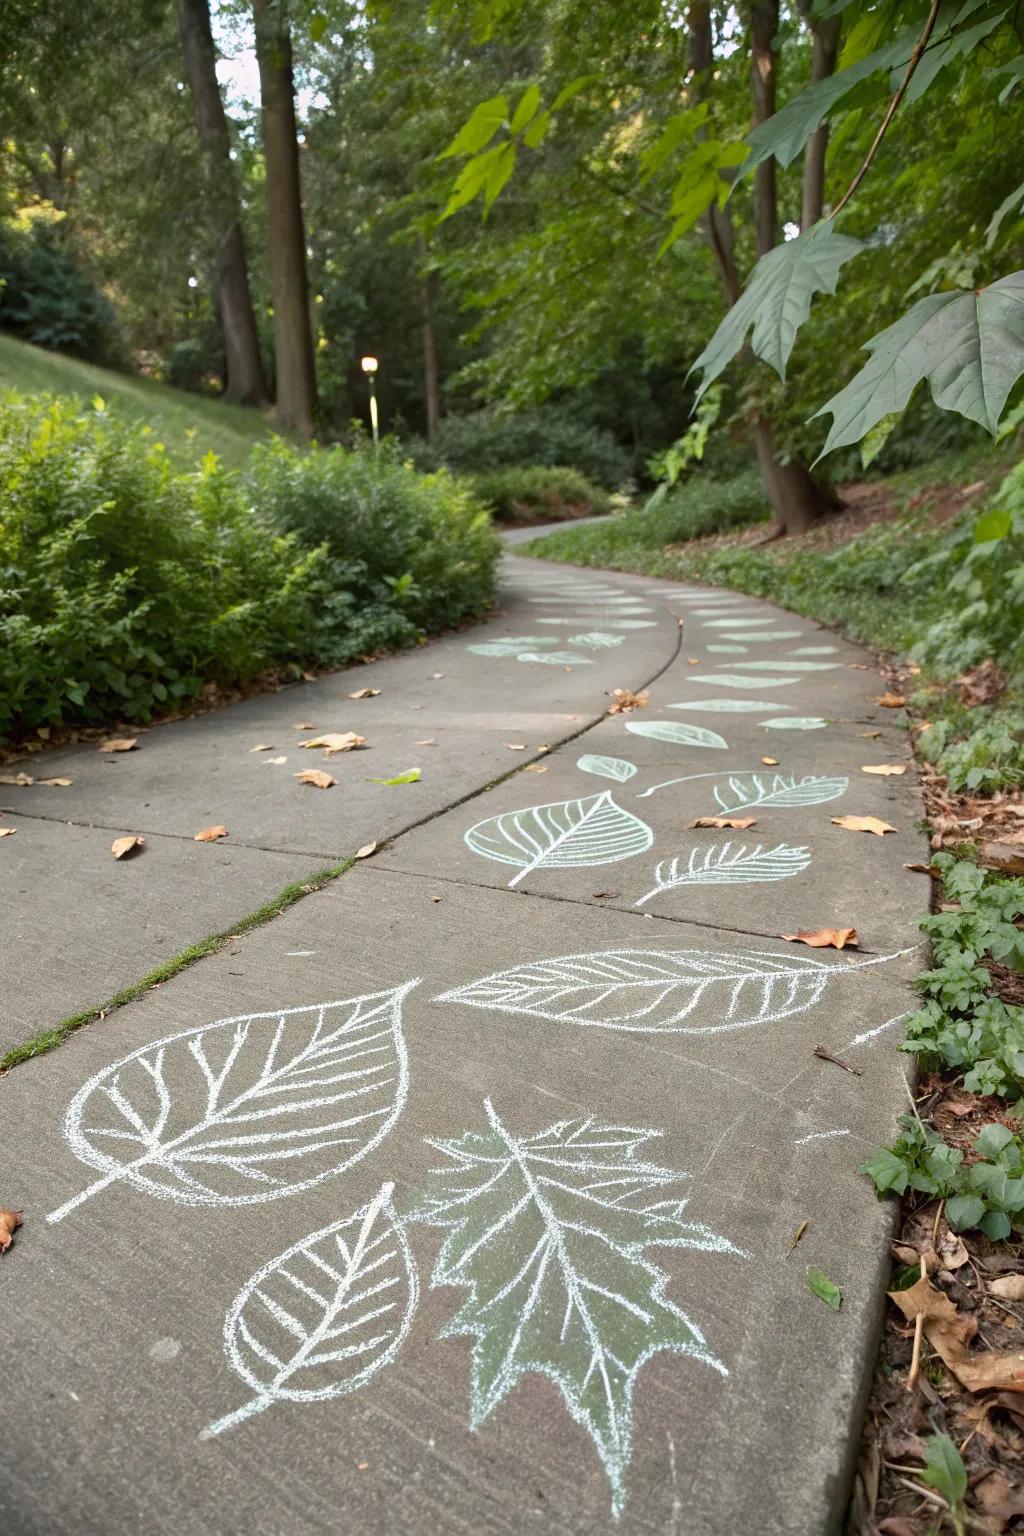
(477, 1213)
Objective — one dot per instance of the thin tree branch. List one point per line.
(890, 111)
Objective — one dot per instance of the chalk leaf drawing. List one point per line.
(595, 640)
(510, 647)
(556, 658)
(734, 680)
(618, 768)
(797, 723)
(548, 1234)
(727, 706)
(680, 732)
(325, 1316)
(815, 650)
(565, 834)
(749, 638)
(726, 650)
(247, 1109)
(724, 865)
(647, 991)
(791, 666)
(743, 792)
(738, 623)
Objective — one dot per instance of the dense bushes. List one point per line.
(486, 440)
(125, 584)
(538, 493)
(46, 296)
(421, 543)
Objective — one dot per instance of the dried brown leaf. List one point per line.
(10, 1221)
(924, 869)
(772, 762)
(1008, 1287)
(885, 769)
(210, 835)
(863, 824)
(624, 701)
(304, 725)
(949, 1333)
(365, 693)
(123, 847)
(824, 938)
(20, 779)
(335, 741)
(316, 777)
(365, 851)
(119, 744)
(535, 768)
(982, 683)
(7, 831)
(891, 701)
(738, 822)
(263, 747)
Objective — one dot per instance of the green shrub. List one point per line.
(489, 439)
(126, 584)
(422, 543)
(539, 494)
(47, 297)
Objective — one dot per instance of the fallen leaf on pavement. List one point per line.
(436, 675)
(857, 666)
(210, 834)
(119, 744)
(623, 701)
(516, 746)
(797, 1235)
(603, 895)
(365, 693)
(1009, 1287)
(335, 741)
(16, 778)
(304, 725)
(7, 831)
(410, 776)
(772, 762)
(316, 777)
(273, 761)
(883, 768)
(739, 822)
(891, 701)
(949, 1333)
(824, 938)
(56, 783)
(431, 741)
(692, 661)
(863, 824)
(535, 768)
(10, 1221)
(263, 747)
(871, 735)
(121, 847)
(365, 851)
(825, 1288)
(924, 869)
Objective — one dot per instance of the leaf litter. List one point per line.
(10, 1221)
(126, 847)
(316, 778)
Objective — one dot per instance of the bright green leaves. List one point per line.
(699, 182)
(777, 300)
(483, 124)
(487, 171)
(968, 346)
(945, 1472)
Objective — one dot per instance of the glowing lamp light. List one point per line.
(368, 364)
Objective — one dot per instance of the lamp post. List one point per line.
(369, 366)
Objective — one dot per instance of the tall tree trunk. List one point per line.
(764, 24)
(824, 52)
(293, 337)
(431, 377)
(245, 380)
(796, 499)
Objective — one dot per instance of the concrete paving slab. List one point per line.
(123, 1299)
(78, 925)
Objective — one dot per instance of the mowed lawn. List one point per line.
(188, 425)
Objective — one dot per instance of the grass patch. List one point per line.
(49, 1039)
(188, 425)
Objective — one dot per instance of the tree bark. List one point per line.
(431, 375)
(293, 337)
(764, 24)
(244, 366)
(824, 52)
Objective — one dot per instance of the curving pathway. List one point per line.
(477, 1213)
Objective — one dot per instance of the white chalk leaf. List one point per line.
(618, 768)
(743, 791)
(680, 732)
(721, 864)
(247, 1109)
(325, 1316)
(565, 834)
